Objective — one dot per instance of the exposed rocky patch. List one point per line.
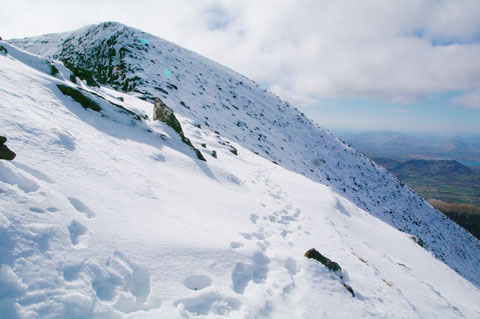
(5, 152)
(331, 265)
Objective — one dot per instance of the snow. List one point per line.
(213, 98)
(104, 216)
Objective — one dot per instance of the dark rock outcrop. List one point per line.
(418, 240)
(161, 112)
(5, 152)
(331, 265)
(350, 290)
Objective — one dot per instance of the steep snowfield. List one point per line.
(105, 216)
(217, 99)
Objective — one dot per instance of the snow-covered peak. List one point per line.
(109, 214)
(218, 99)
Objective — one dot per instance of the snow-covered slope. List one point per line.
(217, 99)
(108, 215)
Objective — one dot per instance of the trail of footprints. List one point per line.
(257, 269)
(118, 281)
(127, 285)
(281, 227)
(27, 179)
(76, 228)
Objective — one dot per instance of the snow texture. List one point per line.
(110, 215)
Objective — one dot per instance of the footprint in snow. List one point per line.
(236, 244)
(118, 277)
(206, 304)
(81, 207)
(65, 140)
(37, 210)
(36, 173)
(259, 234)
(11, 176)
(137, 278)
(256, 270)
(76, 230)
(71, 272)
(105, 281)
(286, 219)
(197, 282)
(253, 218)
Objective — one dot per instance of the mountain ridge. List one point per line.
(254, 122)
(201, 97)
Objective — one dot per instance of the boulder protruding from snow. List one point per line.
(163, 113)
(5, 152)
(331, 265)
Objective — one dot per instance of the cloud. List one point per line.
(388, 50)
(470, 99)
(293, 97)
(396, 51)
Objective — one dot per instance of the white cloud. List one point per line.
(470, 99)
(306, 49)
(293, 97)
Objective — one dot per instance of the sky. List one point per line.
(406, 65)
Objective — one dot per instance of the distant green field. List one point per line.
(459, 191)
(468, 216)
(448, 181)
(450, 186)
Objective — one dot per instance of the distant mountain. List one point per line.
(402, 146)
(425, 168)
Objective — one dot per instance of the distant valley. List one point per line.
(449, 186)
(427, 165)
(445, 180)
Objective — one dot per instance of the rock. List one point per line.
(418, 240)
(5, 152)
(160, 110)
(349, 289)
(331, 265)
(163, 113)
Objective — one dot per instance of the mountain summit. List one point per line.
(111, 214)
